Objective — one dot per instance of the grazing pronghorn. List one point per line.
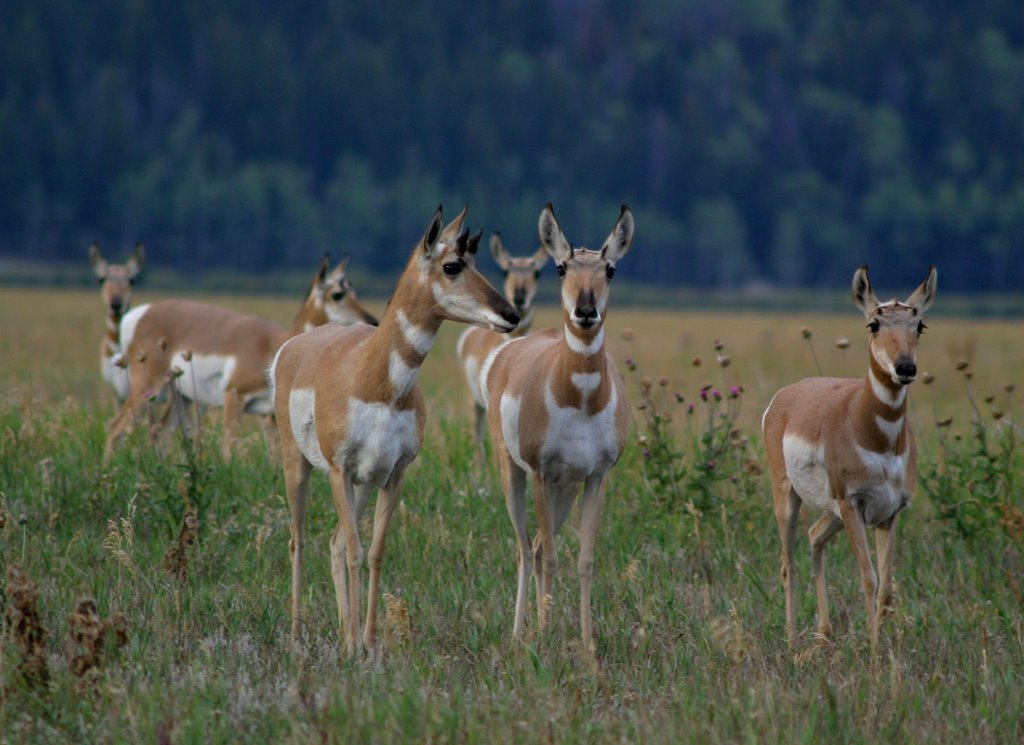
(116, 282)
(557, 409)
(521, 275)
(844, 447)
(348, 402)
(220, 356)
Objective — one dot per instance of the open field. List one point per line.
(688, 610)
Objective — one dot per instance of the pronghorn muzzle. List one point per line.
(906, 370)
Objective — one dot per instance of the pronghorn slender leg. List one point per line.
(296, 476)
(346, 549)
(591, 506)
(387, 500)
(546, 559)
(787, 514)
(820, 534)
(134, 406)
(869, 580)
(270, 436)
(232, 418)
(885, 539)
(514, 485)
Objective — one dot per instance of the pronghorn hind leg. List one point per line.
(387, 500)
(787, 514)
(885, 539)
(820, 534)
(296, 477)
(480, 433)
(857, 531)
(346, 554)
(591, 506)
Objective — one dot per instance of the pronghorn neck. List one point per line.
(310, 315)
(884, 391)
(396, 349)
(111, 338)
(582, 370)
(525, 321)
(881, 412)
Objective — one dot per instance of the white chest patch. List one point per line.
(890, 429)
(582, 347)
(577, 444)
(380, 440)
(586, 383)
(880, 493)
(205, 377)
(301, 411)
(509, 409)
(805, 466)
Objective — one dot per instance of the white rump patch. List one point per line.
(301, 411)
(379, 439)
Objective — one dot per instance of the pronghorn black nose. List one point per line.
(906, 369)
(519, 298)
(511, 316)
(116, 305)
(586, 312)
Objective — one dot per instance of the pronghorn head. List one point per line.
(335, 294)
(585, 274)
(521, 274)
(116, 280)
(895, 327)
(447, 263)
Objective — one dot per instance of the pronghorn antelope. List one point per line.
(844, 447)
(116, 282)
(521, 275)
(557, 409)
(348, 402)
(219, 357)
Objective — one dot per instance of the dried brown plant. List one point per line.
(26, 629)
(91, 640)
(176, 557)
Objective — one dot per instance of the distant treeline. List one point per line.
(758, 141)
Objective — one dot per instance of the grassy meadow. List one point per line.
(687, 605)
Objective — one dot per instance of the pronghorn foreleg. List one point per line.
(346, 550)
(857, 531)
(787, 515)
(387, 500)
(820, 534)
(553, 504)
(885, 539)
(480, 415)
(591, 506)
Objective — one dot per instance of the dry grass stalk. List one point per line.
(91, 640)
(176, 558)
(396, 620)
(26, 629)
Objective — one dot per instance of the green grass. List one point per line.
(688, 612)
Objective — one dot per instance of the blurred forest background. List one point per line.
(761, 143)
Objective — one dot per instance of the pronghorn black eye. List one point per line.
(101, 280)
(874, 326)
(452, 268)
(131, 281)
(560, 268)
(921, 327)
(610, 271)
(536, 273)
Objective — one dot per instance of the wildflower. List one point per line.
(989, 399)
(706, 386)
(962, 364)
(710, 465)
(627, 334)
(689, 408)
(630, 364)
(719, 346)
(643, 440)
(997, 414)
(944, 422)
(734, 391)
(1009, 387)
(646, 383)
(679, 397)
(703, 395)
(805, 332)
(842, 343)
(715, 392)
(723, 360)
(696, 362)
(927, 378)
(187, 355)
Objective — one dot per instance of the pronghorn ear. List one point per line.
(136, 261)
(863, 296)
(96, 260)
(499, 252)
(621, 238)
(473, 243)
(341, 267)
(453, 229)
(433, 233)
(539, 259)
(551, 237)
(925, 293)
(321, 272)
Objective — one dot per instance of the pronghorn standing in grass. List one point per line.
(557, 410)
(348, 402)
(116, 282)
(844, 447)
(521, 275)
(219, 357)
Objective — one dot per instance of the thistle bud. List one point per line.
(842, 343)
